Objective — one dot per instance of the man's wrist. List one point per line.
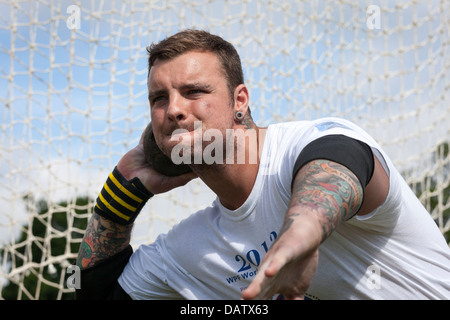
(121, 200)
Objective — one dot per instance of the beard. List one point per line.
(200, 145)
(214, 147)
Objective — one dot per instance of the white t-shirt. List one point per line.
(395, 252)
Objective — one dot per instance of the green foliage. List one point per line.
(31, 247)
(428, 190)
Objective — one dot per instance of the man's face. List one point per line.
(189, 88)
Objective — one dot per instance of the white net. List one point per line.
(73, 99)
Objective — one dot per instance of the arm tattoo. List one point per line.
(287, 223)
(328, 189)
(103, 239)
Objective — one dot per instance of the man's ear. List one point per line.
(241, 99)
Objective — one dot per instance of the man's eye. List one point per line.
(195, 91)
(157, 99)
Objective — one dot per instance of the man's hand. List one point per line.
(133, 164)
(289, 266)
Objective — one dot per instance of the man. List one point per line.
(321, 213)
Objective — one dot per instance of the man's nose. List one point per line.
(177, 109)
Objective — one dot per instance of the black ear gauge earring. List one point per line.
(239, 115)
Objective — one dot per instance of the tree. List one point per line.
(66, 221)
(433, 192)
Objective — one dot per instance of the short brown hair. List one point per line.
(200, 40)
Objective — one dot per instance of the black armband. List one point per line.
(121, 200)
(100, 281)
(351, 153)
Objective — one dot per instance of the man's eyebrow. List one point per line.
(196, 85)
(193, 85)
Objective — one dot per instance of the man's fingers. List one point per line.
(181, 180)
(259, 285)
(265, 284)
(164, 183)
(282, 254)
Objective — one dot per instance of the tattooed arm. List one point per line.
(327, 190)
(108, 242)
(102, 239)
(325, 193)
(105, 250)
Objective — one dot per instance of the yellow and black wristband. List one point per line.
(121, 200)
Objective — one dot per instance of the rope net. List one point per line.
(73, 99)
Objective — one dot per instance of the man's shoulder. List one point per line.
(308, 129)
(320, 124)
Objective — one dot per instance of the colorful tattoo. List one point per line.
(102, 239)
(328, 189)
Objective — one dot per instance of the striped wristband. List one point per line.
(121, 200)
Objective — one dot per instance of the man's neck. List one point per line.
(233, 182)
